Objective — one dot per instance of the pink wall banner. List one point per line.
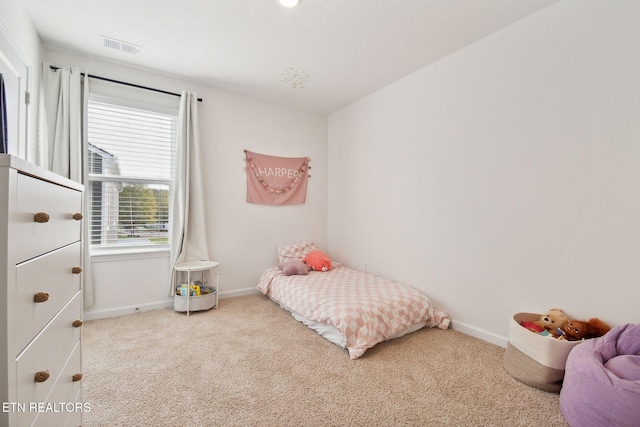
(276, 180)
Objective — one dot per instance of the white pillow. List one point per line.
(294, 251)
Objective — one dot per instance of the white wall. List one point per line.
(505, 177)
(27, 44)
(242, 237)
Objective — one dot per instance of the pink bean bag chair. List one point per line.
(601, 385)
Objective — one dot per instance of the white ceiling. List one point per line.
(342, 50)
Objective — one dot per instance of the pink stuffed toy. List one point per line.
(318, 261)
(294, 267)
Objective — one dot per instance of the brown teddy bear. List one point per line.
(554, 318)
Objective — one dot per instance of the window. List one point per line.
(131, 153)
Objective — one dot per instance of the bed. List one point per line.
(353, 309)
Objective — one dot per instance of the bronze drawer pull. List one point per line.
(41, 297)
(76, 377)
(76, 270)
(42, 376)
(41, 217)
(77, 323)
(77, 216)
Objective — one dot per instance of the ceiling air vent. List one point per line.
(110, 43)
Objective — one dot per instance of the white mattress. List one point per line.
(351, 308)
(333, 334)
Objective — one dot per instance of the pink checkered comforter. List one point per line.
(366, 309)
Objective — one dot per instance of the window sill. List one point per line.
(107, 255)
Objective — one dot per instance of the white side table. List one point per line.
(203, 267)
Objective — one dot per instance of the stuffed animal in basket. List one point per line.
(576, 330)
(532, 326)
(318, 261)
(553, 319)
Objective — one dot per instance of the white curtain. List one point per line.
(63, 134)
(188, 235)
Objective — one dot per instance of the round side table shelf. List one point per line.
(204, 302)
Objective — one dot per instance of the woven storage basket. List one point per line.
(534, 359)
(203, 302)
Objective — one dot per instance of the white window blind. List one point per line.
(131, 153)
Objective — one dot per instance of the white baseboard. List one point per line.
(238, 293)
(479, 333)
(168, 303)
(131, 309)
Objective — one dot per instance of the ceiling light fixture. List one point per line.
(295, 78)
(290, 3)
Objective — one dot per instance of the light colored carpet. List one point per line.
(249, 363)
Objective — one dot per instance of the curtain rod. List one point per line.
(92, 76)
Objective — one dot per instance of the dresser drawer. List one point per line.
(63, 404)
(58, 202)
(52, 274)
(49, 352)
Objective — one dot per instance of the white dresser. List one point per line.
(41, 297)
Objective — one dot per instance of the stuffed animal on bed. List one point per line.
(318, 261)
(293, 268)
(576, 330)
(553, 319)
